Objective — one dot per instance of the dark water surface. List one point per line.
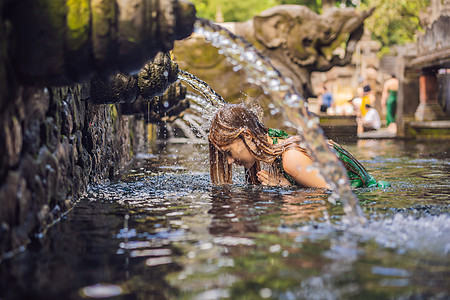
(161, 231)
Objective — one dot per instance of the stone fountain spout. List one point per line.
(66, 42)
(164, 108)
(153, 79)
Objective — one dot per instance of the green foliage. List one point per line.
(232, 10)
(394, 22)
(350, 3)
(314, 5)
(238, 10)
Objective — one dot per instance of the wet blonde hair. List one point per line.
(235, 121)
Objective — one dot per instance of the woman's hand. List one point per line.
(265, 179)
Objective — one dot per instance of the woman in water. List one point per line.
(237, 136)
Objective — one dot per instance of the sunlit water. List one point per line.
(161, 231)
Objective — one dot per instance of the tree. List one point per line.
(394, 22)
(232, 10)
(314, 5)
(318, 5)
(238, 10)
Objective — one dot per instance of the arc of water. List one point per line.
(202, 87)
(197, 109)
(203, 103)
(197, 119)
(199, 115)
(195, 122)
(290, 104)
(186, 129)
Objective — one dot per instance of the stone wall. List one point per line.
(54, 142)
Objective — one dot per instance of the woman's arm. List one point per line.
(299, 166)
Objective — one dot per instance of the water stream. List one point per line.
(202, 87)
(289, 105)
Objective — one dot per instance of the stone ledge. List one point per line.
(436, 58)
(382, 133)
(431, 130)
(431, 124)
(341, 129)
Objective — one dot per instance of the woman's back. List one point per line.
(392, 84)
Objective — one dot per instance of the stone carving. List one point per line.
(92, 36)
(151, 93)
(297, 40)
(65, 42)
(164, 108)
(151, 81)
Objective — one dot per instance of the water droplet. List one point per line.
(101, 291)
(274, 111)
(265, 293)
(156, 261)
(311, 123)
(275, 248)
(237, 68)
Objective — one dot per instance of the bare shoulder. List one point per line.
(293, 159)
(391, 83)
(296, 164)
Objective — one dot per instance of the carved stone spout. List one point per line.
(164, 108)
(64, 42)
(151, 81)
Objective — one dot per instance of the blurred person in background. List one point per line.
(389, 100)
(371, 120)
(325, 100)
(367, 98)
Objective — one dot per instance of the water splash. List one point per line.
(403, 233)
(289, 104)
(189, 129)
(193, 126)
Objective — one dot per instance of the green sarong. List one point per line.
(391, 107)
(359, 177)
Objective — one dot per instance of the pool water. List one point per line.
(161, 231)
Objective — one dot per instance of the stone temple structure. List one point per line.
(424, 98)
